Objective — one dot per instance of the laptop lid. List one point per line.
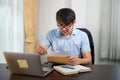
(26, 64)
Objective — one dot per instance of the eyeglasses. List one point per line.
(64, 26)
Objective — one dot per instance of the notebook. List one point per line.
(68, 70)
(26, 64)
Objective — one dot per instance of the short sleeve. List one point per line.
(85, 44)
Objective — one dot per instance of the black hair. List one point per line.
(65, 16)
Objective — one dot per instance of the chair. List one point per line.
(91, 42)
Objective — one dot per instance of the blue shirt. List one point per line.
(77, 43)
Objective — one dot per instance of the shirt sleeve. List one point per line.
(85, 44)
(46, 40)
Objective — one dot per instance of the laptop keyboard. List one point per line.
(46, 69)
(44, 72)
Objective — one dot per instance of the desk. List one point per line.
(99, 72)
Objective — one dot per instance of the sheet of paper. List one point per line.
(58, 54)
(22, 63)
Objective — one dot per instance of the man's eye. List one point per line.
(61, 24)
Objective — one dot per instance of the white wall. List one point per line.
(46, 11)
(87, 14)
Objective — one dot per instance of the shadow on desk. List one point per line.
(54, 76)
(23, 77)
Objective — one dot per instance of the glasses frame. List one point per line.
(61, 26)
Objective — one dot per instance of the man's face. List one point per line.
(65, 30)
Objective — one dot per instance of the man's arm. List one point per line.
(86, 60)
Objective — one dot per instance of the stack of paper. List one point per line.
(67, 70)
(58, 54)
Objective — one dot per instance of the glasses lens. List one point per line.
(64, 26)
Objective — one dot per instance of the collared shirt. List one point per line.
(75, 44)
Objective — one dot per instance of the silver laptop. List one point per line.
(26, 64)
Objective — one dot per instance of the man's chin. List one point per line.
(65, 34)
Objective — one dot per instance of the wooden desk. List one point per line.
(99, 72)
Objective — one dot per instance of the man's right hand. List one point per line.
(40, 49)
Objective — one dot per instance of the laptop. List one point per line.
(26, 64)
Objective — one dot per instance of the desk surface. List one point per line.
(99, 72)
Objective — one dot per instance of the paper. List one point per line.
(58, 54)
(22, 63)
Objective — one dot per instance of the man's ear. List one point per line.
(74, 21)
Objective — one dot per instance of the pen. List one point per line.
(63, 66)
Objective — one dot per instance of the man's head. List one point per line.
(65, 18)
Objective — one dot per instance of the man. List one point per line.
(67, 38)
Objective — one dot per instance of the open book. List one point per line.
(67, 70)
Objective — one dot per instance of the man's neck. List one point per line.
(66, 36)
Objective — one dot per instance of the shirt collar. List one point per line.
(74, 32)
